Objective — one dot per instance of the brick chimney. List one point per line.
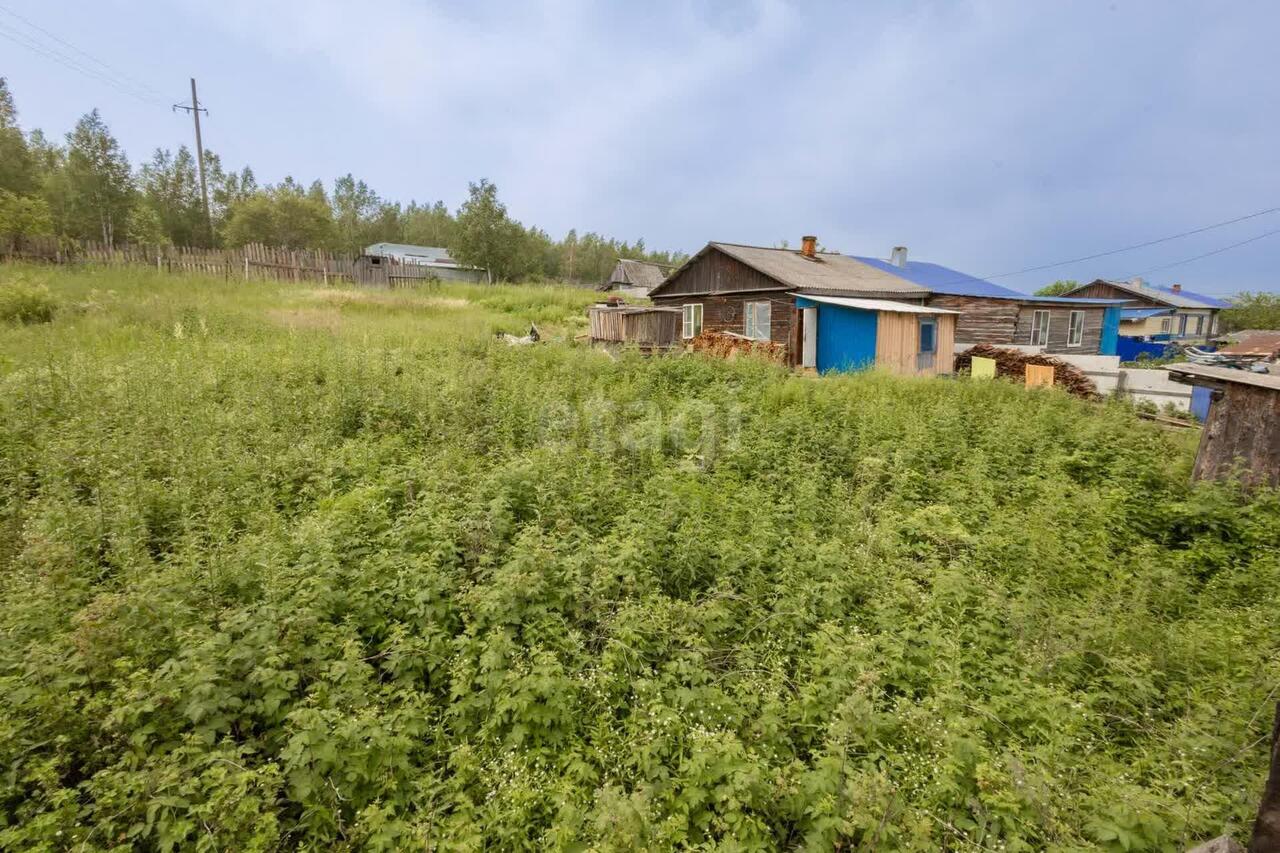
(809, 246)
(899, 256)
(1177, 288)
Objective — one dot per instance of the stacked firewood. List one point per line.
(729, 345)
(1012, 364)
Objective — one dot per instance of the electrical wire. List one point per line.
(122, 76)
(1177, 236)
(1208, 254)
(25, 40)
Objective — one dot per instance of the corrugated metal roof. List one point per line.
(945, 280)
(1265, 344)
(873, 304)
(940, 279)
(1156, 293)
(829, 271)
(1144, 313)
(405, 250)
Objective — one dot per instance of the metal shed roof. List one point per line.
(429, 253)
(873, 304)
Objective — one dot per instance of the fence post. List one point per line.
(246, 266)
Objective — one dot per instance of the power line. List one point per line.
(1144, 245)
(1208, 254)
(135, 83)
(24, 40)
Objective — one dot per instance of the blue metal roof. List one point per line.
(1144, 313)
(951, 282)
(1209, 301)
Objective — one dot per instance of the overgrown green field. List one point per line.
(284, 567)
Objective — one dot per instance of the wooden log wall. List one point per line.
(982, 321)
(726, 312)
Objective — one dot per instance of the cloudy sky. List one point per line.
(985, 135)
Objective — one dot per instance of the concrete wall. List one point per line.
(1154, 386)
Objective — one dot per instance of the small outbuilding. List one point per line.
(635, 278)
(402, 261)
(847, 333)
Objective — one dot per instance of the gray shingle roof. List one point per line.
(828, 272)
(638, 273)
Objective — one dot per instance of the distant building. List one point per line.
(435, 258)
(635, 278)
(835, 311)
(1159, 313)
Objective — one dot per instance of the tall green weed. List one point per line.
(287, 568)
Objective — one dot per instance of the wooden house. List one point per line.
(1159, 313)
(753, 291)
(634, 278)
(996, 315)
(829, 310)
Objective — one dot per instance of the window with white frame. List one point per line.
(1075, 329)
(692, 320)
(1039, 328)
(755, 320)
(1182, 325)
(1164, 325)
(1199, 324)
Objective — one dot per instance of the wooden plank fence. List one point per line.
(254, 262)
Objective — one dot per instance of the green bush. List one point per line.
(285, 573)
(25, 302)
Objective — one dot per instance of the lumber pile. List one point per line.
(1012, 364)
(729, 345)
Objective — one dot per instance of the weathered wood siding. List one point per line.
(652, 328)
(606, 323)
(716, 272)
(1059, 326)
(898, 344)
(981, 321)
(725, 313)
(1241, 436)
(1102, 290)
(1008, 322)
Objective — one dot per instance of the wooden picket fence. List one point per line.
(249, 263)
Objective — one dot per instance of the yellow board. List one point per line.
(1039, 374)
(982, 368)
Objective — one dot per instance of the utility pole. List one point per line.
(195, 109)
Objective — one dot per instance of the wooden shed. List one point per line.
(1242, 432)
(648, 327)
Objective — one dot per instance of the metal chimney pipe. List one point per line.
(899, 256)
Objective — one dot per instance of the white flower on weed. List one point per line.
(177, 330)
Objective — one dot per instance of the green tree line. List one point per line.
(85, 188)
